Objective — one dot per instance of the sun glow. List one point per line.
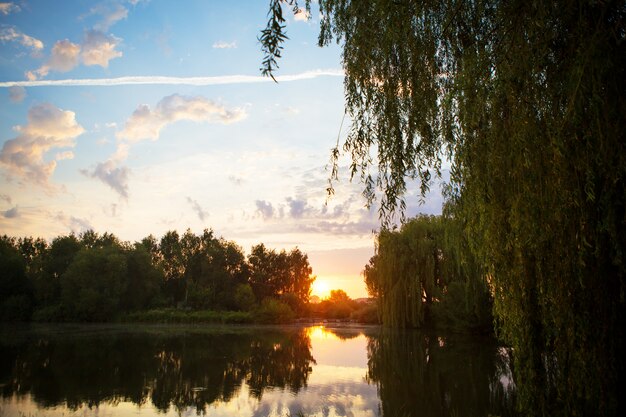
(321, 288)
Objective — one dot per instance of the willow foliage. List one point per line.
(408, 272)
(422, 275)
(527, 101)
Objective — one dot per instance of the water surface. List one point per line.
(110, 370)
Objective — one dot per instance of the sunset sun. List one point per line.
(321, 288)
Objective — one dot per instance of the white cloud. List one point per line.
(301, 16)
(161, 80)
(64, 57)
(109, 13)
(96, 49)
(225, 45)
(17, 94)
(202, 214)
(48, 127)
(147, 123)
(112, 175)
(64, 155)
(8, 8)
(11, 34)
(6, 198)
(99, 49)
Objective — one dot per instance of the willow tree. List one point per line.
(422, 275)
(406, 273)
(527, 101)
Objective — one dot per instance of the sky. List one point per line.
(137, 117)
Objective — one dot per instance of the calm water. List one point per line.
(256, 371)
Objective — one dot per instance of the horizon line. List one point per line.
(167, 80)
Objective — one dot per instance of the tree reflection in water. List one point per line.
(428, 375)
(359, 372)
(167, 368)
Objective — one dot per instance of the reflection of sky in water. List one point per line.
(336, 387)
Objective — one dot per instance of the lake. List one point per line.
(124, 370)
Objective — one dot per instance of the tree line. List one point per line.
(97, 277)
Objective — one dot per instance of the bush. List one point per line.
(244, 297)
(367, 314)
(50, 314)
(273, 311)
(170, 315)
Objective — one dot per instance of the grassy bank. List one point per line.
(170, 315)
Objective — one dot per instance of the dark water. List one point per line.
(255, 371)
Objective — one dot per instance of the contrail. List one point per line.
(164, 80)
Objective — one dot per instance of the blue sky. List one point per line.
(91, 139)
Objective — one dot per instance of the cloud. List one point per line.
(265, 209)
(11, 34)
(64, 155)
(75, 224)
(110, 210)
(162, 80)
(48, 127)
(301, 16)
(198, 209)
(11, 213)
(360, 227)
(235, 180)
(147, 123)
(8, 8)
(109, 13)
(5, 197)
(225, 45)
(112, 175)
(96, 49)
(64, 57)
(17, 94)
(297, 208)
(292, 111)
(99, 49)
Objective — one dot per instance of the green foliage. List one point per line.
(244, 297)
(366, 313)
(92, 286)
(274, 273)
(422, 275)
(338, 306)
(527, 101)
(171, 315)
(97, 277)
(142, 281)
(274, 34)
(272, 310)
(15, 288)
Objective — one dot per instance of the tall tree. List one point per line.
(527, 101)
(16, 292)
